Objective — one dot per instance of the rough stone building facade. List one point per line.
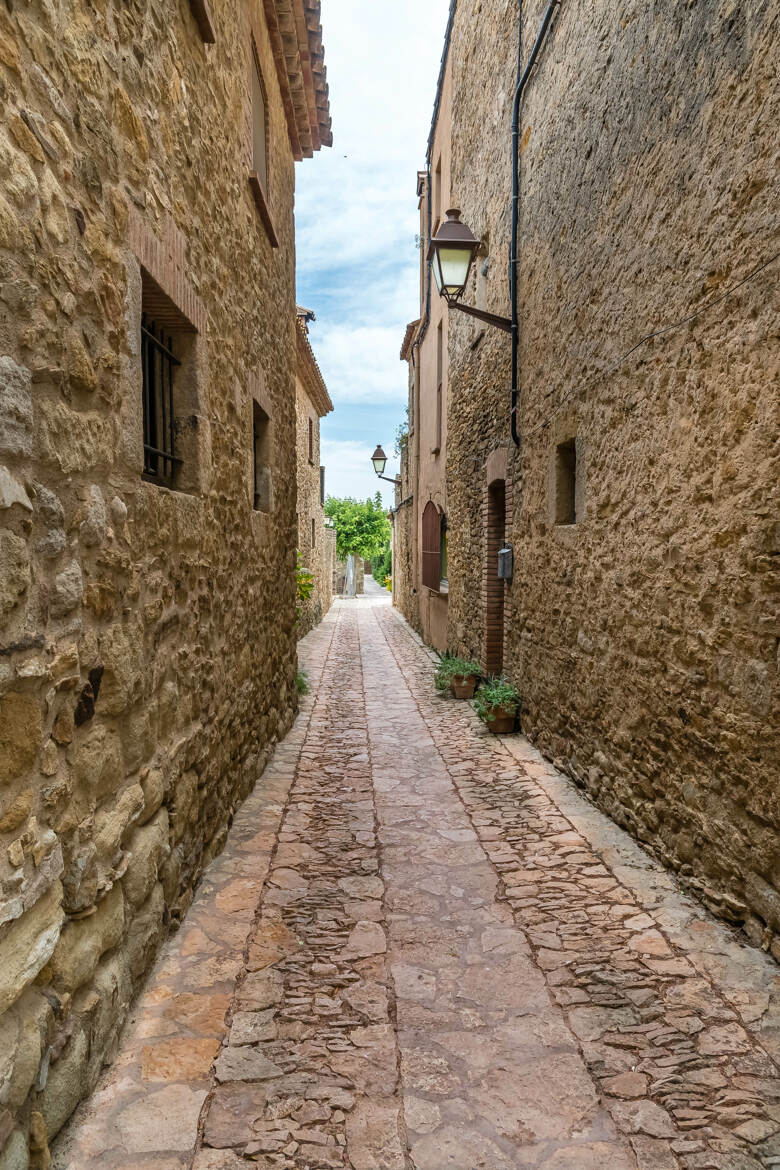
(316, 543)
(639, 625)
(424, 599)
(147, 490)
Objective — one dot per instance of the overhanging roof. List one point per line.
(296, 40)
(411, 329)
(308, 370)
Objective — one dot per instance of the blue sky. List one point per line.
(357, 221)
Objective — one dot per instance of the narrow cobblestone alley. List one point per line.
(421, 948)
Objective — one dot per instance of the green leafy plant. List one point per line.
(382, 564)
(496, 692)
(301, 683)
(304, 585)
(450, 665)
(361, 527)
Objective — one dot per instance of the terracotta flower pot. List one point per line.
(501, 720)
(463, 686)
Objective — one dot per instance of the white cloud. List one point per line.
(348, 471)
(356, 207)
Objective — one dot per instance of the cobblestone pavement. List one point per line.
(446, 959)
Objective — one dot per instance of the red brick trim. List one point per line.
(496, 595)
(202, 14)
(261, 204)
(164, 260)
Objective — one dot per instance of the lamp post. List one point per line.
(379, 460)
(451, 253)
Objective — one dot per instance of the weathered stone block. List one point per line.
(113, 822)
(12, 492)
(20, 734)
(121, 654)
(14, 571)
(14, 1154)
(21, 1031)
(148, 846)
(16, 409)
(68, 590)
(84, 940)
(27, 943)
(65, 1083)
(74, 440)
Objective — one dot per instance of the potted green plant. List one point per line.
(496, 703)
(459, 675)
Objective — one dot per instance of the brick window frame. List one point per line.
(260, 477)
(161, 291)
(496, 593)
(259, 185)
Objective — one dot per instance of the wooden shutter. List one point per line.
(431, 546)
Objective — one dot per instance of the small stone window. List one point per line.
(204, 20)
(322, 486)
(259, 173)
(261, 459)
(311, 440)
(566, 482)
(169, 379)
(313, 531)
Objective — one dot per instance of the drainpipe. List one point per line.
(522, 75)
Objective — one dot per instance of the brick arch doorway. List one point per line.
(494, 586)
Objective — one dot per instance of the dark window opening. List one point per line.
(443, 553)
(311, 440)
(259, 123)
(566, 482)
(159, 365)
(322, 486)
(261, 459)
(313, 532)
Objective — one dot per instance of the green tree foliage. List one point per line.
(361, 527)
(382, 564)
(304, 585)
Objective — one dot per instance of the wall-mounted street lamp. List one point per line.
(379, 460)
(454, 246)
(451, 253)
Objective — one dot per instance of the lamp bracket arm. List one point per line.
(482, 315)
(387, 478)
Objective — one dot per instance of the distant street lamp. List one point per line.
(451, 253)
(379, 460)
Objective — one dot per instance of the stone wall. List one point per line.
(318, 557)
(641, 635)
(147, 643)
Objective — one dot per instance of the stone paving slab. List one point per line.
(422, 948)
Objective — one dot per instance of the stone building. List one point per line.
(316, 543)
(638, 626)
(147, 490)
(424, 597)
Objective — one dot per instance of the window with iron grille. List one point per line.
(172, 380)
(159, 364)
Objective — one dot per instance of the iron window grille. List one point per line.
(159, 364)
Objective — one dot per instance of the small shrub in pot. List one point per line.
(497, 702)
(459, 675)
